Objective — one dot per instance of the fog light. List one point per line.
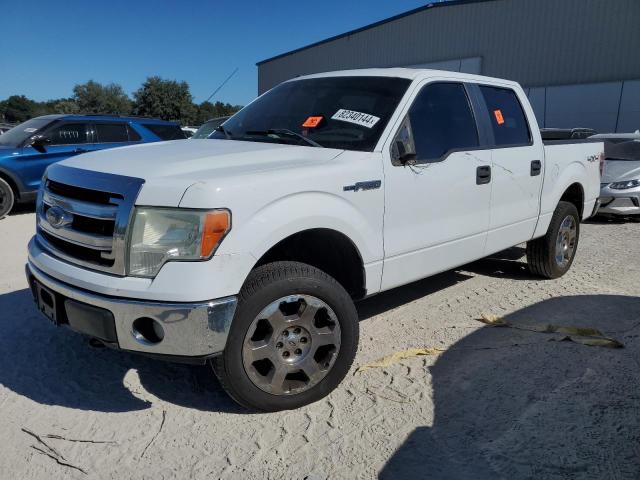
(147, 331)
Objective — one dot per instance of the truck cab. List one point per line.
(247, 250)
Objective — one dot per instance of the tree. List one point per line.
(167, 99)
(207, 110)
(18, 108)
(93, 97)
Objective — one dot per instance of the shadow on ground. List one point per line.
(612, 219)
(23, 208)
(512, 404)
(55, 366)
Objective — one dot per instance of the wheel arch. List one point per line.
(327, 249)
(13, 182)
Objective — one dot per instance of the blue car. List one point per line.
(29, 148)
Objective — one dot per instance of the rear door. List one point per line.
(112, 134)
(437, 201)
(517, 172)
(67, 139)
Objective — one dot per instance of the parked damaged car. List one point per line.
(620, 186)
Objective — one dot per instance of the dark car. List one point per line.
(29, 148)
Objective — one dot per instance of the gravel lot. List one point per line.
(498, 403)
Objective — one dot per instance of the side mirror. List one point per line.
(39, 141)
(404, 156)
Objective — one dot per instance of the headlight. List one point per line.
(161, 235)
(625, 185)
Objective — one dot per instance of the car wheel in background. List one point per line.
(551, 256)
(293, 338)
(7, 198)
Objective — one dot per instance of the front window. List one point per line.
(347, 113)
(18, 134)
(68, 134)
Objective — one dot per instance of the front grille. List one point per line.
(82, 217)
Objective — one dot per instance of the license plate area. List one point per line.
(46, 301)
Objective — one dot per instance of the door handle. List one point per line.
(80, 150)
(536, 167)
(483, 175)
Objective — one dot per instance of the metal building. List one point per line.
(579, 60)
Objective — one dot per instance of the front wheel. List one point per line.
(293, 338)
(551, 256)
(7, 198)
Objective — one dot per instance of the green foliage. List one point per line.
(93, 97)
(166, 99)
(208, 110)
(18, 108)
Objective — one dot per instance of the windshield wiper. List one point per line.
(284, 131)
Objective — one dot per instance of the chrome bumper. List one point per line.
(189, 330)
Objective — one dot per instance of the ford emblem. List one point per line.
(58, 218)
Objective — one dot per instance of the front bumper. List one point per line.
(191, 332)
(619, 202)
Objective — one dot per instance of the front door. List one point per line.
(65, 140)
(437, 187)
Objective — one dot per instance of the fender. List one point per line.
(557, 180)
(302, 211)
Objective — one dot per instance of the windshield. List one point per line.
(621, 149)
(208, 127)
(20, 133)
(347, 113)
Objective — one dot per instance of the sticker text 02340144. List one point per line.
(359, 118)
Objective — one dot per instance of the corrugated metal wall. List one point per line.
(535, 42)
(539, 43)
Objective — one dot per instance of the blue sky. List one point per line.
(49, 46)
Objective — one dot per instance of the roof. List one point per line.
(445, 3)
(410, 73)
(93, 116)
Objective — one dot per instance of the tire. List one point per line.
(7, 198)
(292, 309)
(551, 256)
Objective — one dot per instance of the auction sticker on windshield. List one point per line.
(359, 118)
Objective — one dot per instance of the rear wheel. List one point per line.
(551, 256)
(292, 340)
(7, 198)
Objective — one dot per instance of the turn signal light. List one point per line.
(216, 225)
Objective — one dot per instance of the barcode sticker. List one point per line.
(359, 118)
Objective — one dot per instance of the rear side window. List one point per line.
(68, 134)
(112, 133)
(441, 121)
(166, 132)
(507, 118)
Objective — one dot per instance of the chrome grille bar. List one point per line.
(93, 233)
(79, 207)
(68, 234)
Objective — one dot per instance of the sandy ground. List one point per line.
(498, 403)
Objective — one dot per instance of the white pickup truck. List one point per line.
(248, 250)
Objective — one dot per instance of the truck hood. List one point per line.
(169, 168)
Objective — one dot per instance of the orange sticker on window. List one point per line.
(499, 117)
(312, 122)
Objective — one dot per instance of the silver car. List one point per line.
(620, 187)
